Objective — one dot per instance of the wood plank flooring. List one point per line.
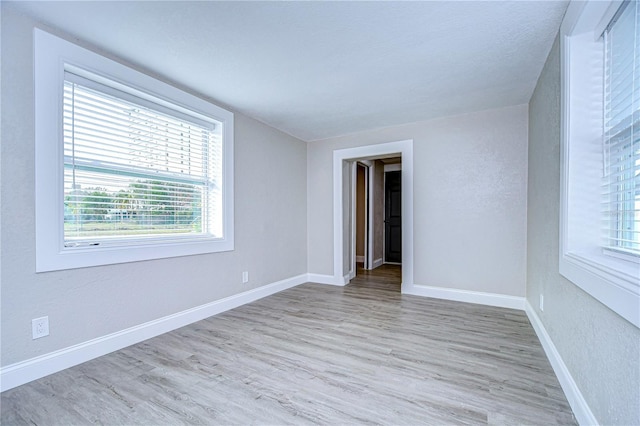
(315, 354)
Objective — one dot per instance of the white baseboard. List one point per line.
(23, 372)
(376, 263)
(360, 259)
(579, 405)
(326, 279)
(490, 299)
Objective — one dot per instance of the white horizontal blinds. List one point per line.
(134, 169)
(622, 130)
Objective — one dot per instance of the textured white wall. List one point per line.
(600, 348)
(470, 177)
(82, 304)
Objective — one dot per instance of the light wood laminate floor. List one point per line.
(315, 354)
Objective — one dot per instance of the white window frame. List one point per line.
(613, 280)
(52, 55)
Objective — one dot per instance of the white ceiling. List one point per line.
(322, 69)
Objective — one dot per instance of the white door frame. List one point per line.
(352, 214)
(368, 217)
(405, 150)
(370, 201)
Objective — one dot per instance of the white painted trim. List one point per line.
(25, 371)
(384, 216)
(377, 262)
(369, 177)
(370, 207)
(579, 405)
(353, 188)
(481, 298)
(405, 150)
(52, 55)
(360, 259)
(612, 281)
(393, 167)
(325, 279)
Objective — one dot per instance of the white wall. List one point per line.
(600, 349)
(470, 177)
(82, 304)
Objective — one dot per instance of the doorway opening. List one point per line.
(376, 212)
(347, 163)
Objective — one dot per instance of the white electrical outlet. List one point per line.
(245, 277)
(40, 327)
(542, 302)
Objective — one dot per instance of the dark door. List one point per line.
(393, 217)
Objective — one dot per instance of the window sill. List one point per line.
(612, 281)
(87, 256)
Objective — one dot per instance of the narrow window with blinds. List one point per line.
(599, 238)
(135, 171)
(621, 194)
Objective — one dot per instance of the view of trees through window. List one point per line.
(145, 207)
(135, 169)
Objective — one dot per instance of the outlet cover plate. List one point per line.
(40, 327)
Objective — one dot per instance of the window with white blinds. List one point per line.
(621, 198)
(127, 167)
(600, 152)
(134, 170)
